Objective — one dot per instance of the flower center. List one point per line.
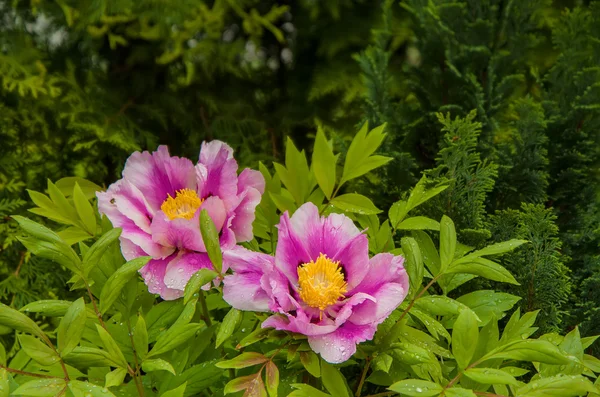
(184, 205)
(321, 282)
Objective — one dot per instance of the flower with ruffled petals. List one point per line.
(157, 205)
(321, 282)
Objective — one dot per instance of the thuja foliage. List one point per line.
(115, 338)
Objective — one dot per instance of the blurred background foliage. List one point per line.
(83, 83)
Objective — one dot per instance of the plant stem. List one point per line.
(204, 309)
(420, 294)
(136, 373)
(363, 377)
(25, 373)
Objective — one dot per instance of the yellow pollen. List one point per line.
(184, 205)
(321, 282)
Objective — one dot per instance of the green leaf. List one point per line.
(303, 390)
(11, 318)
(531, 350)
(418, 223)
(230, 322)
(98, 249)
(2, 355)
(358, 158)
(485, 268)
(47, 244)
(89, 189)
(311, 363)
(244, 360)
(324, 164)
(115, 378)
(558, 386)
(440, 305)
(175, 336)
(498, 248)
(62, 204)
(419, 194)
(414, 262)
(198, 279)
(464, 338)
(140, 338)
(71, 327)
(397, 212)
(355, 203)
(89, 357)
(176, 392)
(487, 303)
(459, 392)
(489, 376)
(40, 387)
(38, 350)
(416, 388)
(253, 337)
(115, 283)
(333, 380)
(88, 389)
(111, 347)
(272, 378)
(157, 364)
(241, 383)
(447, 242)
(84, 210)
(430, 254)
(211, 240)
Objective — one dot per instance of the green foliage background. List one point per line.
(86, 82)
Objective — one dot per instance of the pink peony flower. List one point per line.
(157, 204)
(321, 282)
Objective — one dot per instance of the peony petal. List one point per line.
(338, 346)
(183, 266)
(152, 173)
(347, 307)
(384, 268)
(387, 299)
(242, 260)
(251, 179)
(354, 259)
(241, 224)
(154, 277)
(216, 209)
(244, 292)
(221, 172)
(180, 233)
(300, 324)
(290, 252)
(123, 203)
(130, 250)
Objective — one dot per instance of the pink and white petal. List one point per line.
(347, 307)
(251, 179)
(180, 170)
(123, 202)
(180, 233)
(290, 252)
(338, 346)
(244, 292)
(241, 224)
(277, 286)
(149, 176)
(384, 268)
(354, 259)
(154, 277)
(387, 299)
(183, 266)
(130, 250)
(300, 324)
(216, 209)
(242, 260)
(221, 167)
(145, 242)
(307, 225)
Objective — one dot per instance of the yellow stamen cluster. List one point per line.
(321, 282)
(184, 205)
